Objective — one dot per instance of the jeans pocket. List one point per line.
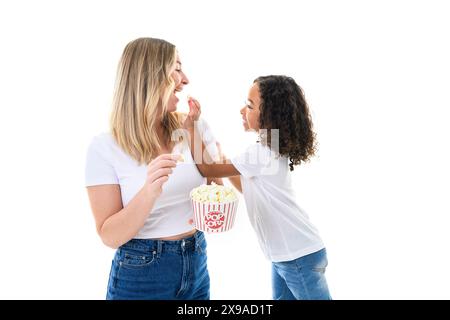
(112, 276)
(201, 247)
(137, 260)
(202, 250)
(320, 266)
(319, 269)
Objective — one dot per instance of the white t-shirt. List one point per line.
(283, 228)
(107, 163)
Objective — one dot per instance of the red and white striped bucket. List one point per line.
(214, 217)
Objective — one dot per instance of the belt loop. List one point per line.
(159, 245)
(196, 240)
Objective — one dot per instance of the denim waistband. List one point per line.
(187, 244)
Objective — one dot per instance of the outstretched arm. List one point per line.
(204, 162)
(236, 182)
(218, 181)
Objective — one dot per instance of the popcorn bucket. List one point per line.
(214, 217)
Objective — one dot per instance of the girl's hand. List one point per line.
(194, 113)
(158, 172)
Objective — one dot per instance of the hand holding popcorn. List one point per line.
(194, 113)
(158, 171)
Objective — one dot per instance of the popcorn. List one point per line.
(213, 193)
(214, 208)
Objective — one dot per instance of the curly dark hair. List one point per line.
(283, 106)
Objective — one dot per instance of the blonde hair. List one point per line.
(143, 84)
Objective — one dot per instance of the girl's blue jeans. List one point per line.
(301, 279)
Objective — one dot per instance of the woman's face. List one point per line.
(250, 112)
(180, 81)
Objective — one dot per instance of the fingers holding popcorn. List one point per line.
(159, 170)
(194, 109)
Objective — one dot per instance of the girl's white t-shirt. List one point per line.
(107, 163)
(284, 230)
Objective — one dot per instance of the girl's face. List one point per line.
(250, 112)
(180, 81)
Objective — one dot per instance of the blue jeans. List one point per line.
(159, 269)
(301, 279)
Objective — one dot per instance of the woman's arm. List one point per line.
(117, 225)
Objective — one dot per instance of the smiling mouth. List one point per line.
(175, 92)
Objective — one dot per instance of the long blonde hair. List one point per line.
(143, 84)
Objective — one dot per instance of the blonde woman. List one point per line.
(139, 191)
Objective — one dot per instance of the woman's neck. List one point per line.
(159, 130)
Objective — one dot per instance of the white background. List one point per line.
(376, 75)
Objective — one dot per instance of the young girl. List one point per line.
(284, 231)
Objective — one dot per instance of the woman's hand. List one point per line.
(194, 113)
(158, 172)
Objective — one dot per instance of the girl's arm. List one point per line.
(212, 169)
(218, 181)
(236, 182)
(207, 167)
(117, 225)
